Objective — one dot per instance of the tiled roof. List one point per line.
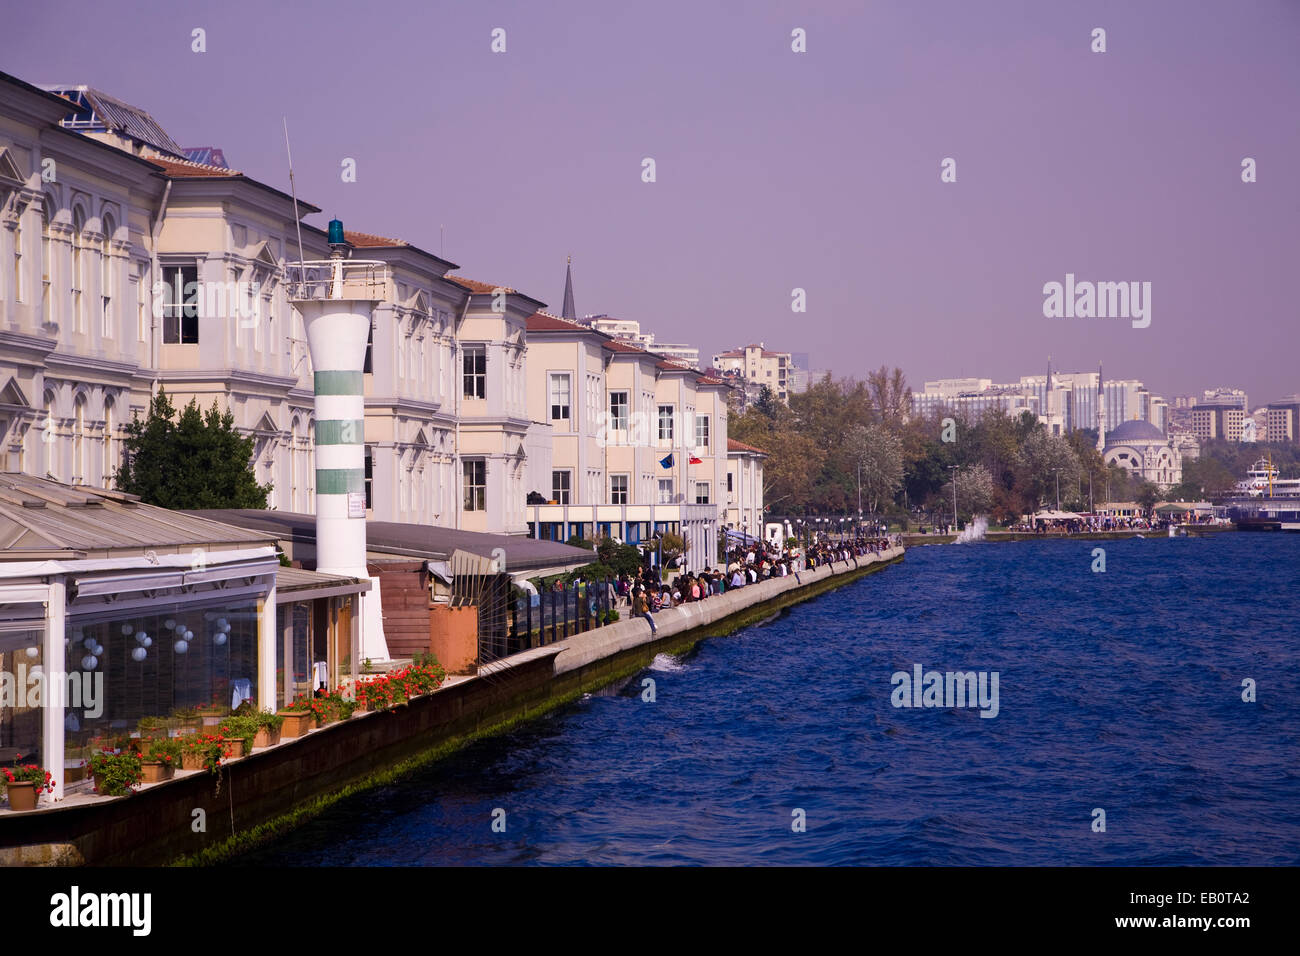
(545, 322)
(617, 345)
(733, 445)
(184, 169)
(481, 287)
(366, 240)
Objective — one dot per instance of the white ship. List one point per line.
(1262, 482)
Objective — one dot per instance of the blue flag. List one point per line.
(666, 462)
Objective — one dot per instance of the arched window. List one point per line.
(47, 260)
(295, 462)
(110, 460)
(18, 257)
(79, 440)
(78, 270)
(106, 275)
(49, 438)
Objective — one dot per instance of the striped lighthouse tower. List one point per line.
(336, 299)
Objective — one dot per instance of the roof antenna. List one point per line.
(297, 220)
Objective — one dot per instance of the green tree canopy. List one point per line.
(198, 461)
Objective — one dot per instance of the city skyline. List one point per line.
(772, 173)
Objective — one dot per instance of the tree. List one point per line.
(877, 455)
(890, 395)
(1043, 459)
(199, 461)
(974, 490)
(1147, 493)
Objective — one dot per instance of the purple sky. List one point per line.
(776, 169)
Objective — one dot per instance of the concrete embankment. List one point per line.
(201, 818)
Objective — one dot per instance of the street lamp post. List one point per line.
(953, 469)
(1057, 473)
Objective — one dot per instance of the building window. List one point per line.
(701, 492)
(143, 312)
(79, 442)
(730, 476)
(180, 308)
(78, 270)
(47, 258)
(618, 411)
(18, 258)
(109, 461)
(560, 384)
(106, 277)
(475, 368)
(618, 489)
(475, 485)
(665, 491)
(370, 477)
(368, 364)
(666, 423)
(560, 487)
(701, 431)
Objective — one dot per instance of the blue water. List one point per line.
(1118, 690)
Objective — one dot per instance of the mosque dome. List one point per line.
(1135, 431)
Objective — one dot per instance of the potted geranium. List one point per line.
(25, 783)
(297, 717)
(116, 773)
(239, 731)
(160, 761)
(268, 729)
(203, 752)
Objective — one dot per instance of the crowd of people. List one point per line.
(647, 592)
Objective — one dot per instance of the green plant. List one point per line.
(210, 748)
(611, 615)
(269, 720)
(185, 713)
(239, 728)
(116, 774)
(165, 750)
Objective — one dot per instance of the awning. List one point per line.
(1048, 515)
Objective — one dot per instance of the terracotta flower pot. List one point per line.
(22, 795)
(191, 761)
(296, 723)
(237, 746)
(266, 738)
(155, 771)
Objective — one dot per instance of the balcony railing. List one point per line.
(338, 279)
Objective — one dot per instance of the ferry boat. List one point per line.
(1262, 482)
(1264, 502)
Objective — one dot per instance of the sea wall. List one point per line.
(199, 817)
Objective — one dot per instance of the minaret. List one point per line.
(336, 299)
(1101, 411)
(569, 311)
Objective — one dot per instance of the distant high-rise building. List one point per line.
(1282, 420)
(1063, 401)
(758, 366)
